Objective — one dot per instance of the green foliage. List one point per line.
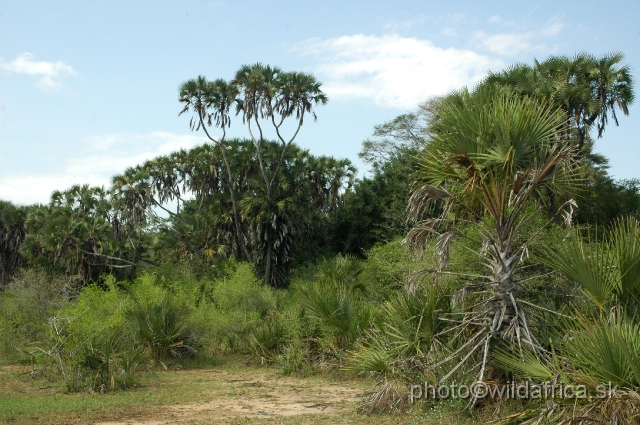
(605, 351)
(406, 329)
(603, 355)
(105, 361)
(340, 272)
(609, 271)
(293, 359)
(333, 299)
(410, 321)
(236, 304)
(265, 339)
(243, 293)
(26, 304)
(91, 342)
(605, 200)
(338, 311)
(374, 211)
(163, 328)
(12, 234)
(390, 266)
(80, 234)
(587, 89)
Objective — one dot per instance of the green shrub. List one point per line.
(108, 361)
(334, 300)
(266, 339)
(163, 328)
(406, 329)
(293, 359)
(26, 304)
(92, 343)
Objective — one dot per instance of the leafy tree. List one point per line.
(375, 211)
(604, 200)
(406, 132)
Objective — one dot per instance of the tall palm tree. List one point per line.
(211, 102)
(268, 94)
(264, 96)
(612, 87)
(586, 88)
(489, 155)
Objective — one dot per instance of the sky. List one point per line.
(88, 88)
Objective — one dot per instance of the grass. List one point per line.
(231, 392)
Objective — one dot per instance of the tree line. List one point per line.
(274, 205)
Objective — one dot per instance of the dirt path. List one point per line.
(245, 396)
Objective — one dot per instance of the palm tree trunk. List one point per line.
(236, 219)
(267, 268)
(232, 191)
(504, 308)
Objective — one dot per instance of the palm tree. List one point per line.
(612, 87)
(586, 88)
(12, 235)
(211, 102)
(271, 95)
(264, 96)
(489, 155)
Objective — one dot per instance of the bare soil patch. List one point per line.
(259, 395)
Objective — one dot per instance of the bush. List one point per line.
(91, 342)
(26, 304)
(265, 340)
(163, 328)
(232, 308)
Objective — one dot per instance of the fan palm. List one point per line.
(489, 155)
(586, 88)
(608, 272)
(612, 87)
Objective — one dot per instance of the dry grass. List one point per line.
(229, 393)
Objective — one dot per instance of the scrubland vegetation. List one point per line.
(487, 247)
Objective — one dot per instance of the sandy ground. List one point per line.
(247, 394)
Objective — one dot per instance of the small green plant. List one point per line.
(293, 359)
(163, 328)
(266, 339)
(109, 361)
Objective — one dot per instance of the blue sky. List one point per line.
(89, 88)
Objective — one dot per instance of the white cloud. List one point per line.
(495, 19)
(511, 44)
(49, 74)
(116, 153)
(392, 70)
